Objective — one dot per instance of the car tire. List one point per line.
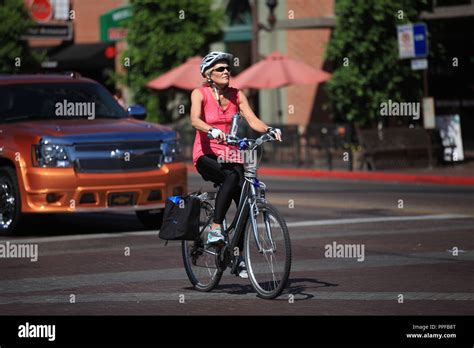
(151, 219)
(10, 201)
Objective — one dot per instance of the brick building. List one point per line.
(307, 36)
(301, 31)
(82, 49)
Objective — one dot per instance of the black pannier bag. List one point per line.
(181, 218)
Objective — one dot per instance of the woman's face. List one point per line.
(220, 73)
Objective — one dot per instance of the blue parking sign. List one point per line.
(420, 40)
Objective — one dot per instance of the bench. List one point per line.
(392, 148)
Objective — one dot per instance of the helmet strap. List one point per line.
(216, 89)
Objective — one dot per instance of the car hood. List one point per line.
(98, 130)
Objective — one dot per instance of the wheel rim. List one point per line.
(266, 268)
(7, 206)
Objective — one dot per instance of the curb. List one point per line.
(369, 176)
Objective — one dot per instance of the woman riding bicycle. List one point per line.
(212, 108)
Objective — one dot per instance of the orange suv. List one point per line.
(67, 146)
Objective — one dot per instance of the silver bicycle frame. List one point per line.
(250, 175)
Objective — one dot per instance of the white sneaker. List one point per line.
(215, 236)
(242, 268)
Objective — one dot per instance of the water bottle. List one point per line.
(232, 137)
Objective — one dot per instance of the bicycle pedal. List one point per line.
(218, 245)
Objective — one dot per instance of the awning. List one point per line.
(79, 57)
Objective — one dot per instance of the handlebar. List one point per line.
(251, 144)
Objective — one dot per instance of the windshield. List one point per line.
(19, 102)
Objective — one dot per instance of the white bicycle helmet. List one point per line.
(213, 57)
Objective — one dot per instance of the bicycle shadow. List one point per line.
(296, 287)
(299, 286)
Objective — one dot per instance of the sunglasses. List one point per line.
(222, 69)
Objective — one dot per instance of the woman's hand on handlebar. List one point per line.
(275, 133)
(221, 137)
(217, 134)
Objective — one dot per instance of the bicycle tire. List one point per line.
(251, 261)
(189, 247)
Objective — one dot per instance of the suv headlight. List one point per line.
(171, 151)
(51, 155)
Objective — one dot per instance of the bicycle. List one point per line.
(266, 236)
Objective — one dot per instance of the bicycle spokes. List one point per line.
(268, 269)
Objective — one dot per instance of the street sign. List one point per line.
(113, 24)
(40, 10)
(419, 64)
(49, 31)
(412, 40)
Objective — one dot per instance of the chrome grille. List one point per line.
(118, 157)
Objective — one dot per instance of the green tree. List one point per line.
(162, 35)
(15, 55)
(364, 48)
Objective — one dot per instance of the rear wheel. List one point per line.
(200, 261)
(10, 201)
(269, 265)
(151, 219)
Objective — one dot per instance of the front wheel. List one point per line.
(267, 251)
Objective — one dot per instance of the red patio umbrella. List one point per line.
(277, 70)
(185, 76)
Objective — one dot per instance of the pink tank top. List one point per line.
(212, 114)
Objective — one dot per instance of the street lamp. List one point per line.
(271, 4)
(256, 26)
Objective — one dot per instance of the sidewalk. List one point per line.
(458, 174)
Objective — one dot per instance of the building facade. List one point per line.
(81, 49)
(302, 30)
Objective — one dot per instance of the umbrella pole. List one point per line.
(280, 114)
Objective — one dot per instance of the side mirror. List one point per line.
(137, 111)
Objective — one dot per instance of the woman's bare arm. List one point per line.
(196, 121)
(254, 122)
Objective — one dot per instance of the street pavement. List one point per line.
(418, 258)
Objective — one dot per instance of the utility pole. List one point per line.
(255, 29)
(254, 51)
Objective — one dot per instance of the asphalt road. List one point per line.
(418, 258)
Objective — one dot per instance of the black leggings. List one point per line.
(231, 178)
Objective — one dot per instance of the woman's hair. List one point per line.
(208, 72)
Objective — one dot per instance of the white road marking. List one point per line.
(289, 224)
(376, 219)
